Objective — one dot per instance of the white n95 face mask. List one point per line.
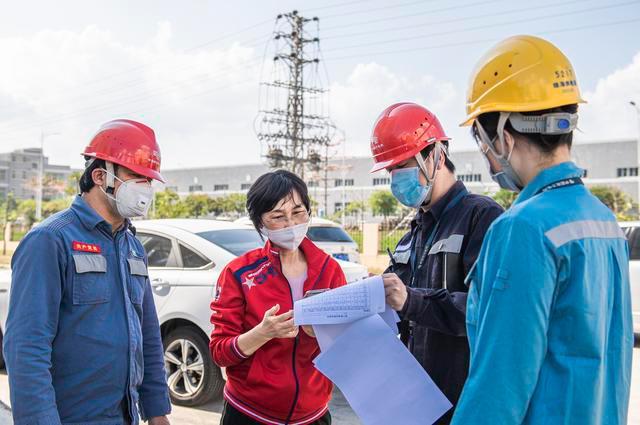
(288, 238)
(133, 197)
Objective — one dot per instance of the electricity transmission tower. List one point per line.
(293, 123)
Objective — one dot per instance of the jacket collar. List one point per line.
(565, 170)
(89, 218)
(316, 258)
(437, 208)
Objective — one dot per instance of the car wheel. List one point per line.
(192, 377)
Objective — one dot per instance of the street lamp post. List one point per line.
(41, 174)
(637, 108)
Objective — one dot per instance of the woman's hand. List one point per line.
(281, 326)
(271, 327)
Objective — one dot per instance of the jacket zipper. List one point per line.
(295, 341)
(293, 354)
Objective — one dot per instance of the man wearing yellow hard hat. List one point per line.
(549, 311)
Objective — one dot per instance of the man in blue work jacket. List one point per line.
(425, 282)
(549, 309)
(83, 342)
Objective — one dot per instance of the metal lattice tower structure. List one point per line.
(293, 123)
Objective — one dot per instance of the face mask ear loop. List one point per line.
(423, 167)
(111, 183)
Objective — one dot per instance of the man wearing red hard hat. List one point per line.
(425, 282)
(82, 343)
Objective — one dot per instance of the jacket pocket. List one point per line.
(90, 284)
(452, 273)
(137, 279)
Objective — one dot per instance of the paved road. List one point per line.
(206, 415)
(342, 413)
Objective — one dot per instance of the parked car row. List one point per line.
(185, 259)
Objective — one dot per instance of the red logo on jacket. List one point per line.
(86, 247)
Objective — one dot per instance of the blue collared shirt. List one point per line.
(82, 343)
(549, 312)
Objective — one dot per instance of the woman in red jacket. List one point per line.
(270, 375)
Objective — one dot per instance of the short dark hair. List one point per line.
(86, 181)
(447, 162)
(546, 143)
(271, 188)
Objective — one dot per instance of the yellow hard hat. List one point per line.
(520, 74)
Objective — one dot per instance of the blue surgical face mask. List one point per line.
(406, 187)
(507, 178)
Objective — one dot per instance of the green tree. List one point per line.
(383, 203)
(505, 198)
(196, 205)
(357, 208)
(168, 205)
(26, 210)
(616, 200)
(234, 203)
(54, 206)
(73, 183)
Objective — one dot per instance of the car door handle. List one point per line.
(159, 284)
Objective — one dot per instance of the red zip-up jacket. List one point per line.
(278, 384)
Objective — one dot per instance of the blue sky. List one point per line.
(68, 66)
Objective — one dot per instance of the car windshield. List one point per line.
(328, 234)
(236, 241)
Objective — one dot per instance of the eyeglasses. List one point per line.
(278, 218)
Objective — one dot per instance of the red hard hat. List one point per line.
(401, 131)
(129, 144)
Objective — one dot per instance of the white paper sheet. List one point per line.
(361, 353)
(327, 334)
(342, 305)
(380, 379)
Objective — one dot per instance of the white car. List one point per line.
(632, 231)
(186, 257)
(328, 235)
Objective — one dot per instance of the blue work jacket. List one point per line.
(82, 343)
(549, 311)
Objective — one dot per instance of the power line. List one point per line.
(478, 41)
(127, 85)
(461, 19)
(190, 49)
(490, 25)
(377, 9)
(135, 99)
(411, 15)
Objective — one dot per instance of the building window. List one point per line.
(628, 172)
(34, 165)
(349, 182)
(381, 181)
(195, 188)
(24, 175)
(337, 207)
(3, 175)
(470, 177)
(220, 187)
(337, 182)
(245, 186)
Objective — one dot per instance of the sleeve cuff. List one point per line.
(153, 406)
(236, 349)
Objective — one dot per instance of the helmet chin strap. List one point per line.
(436, 159)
